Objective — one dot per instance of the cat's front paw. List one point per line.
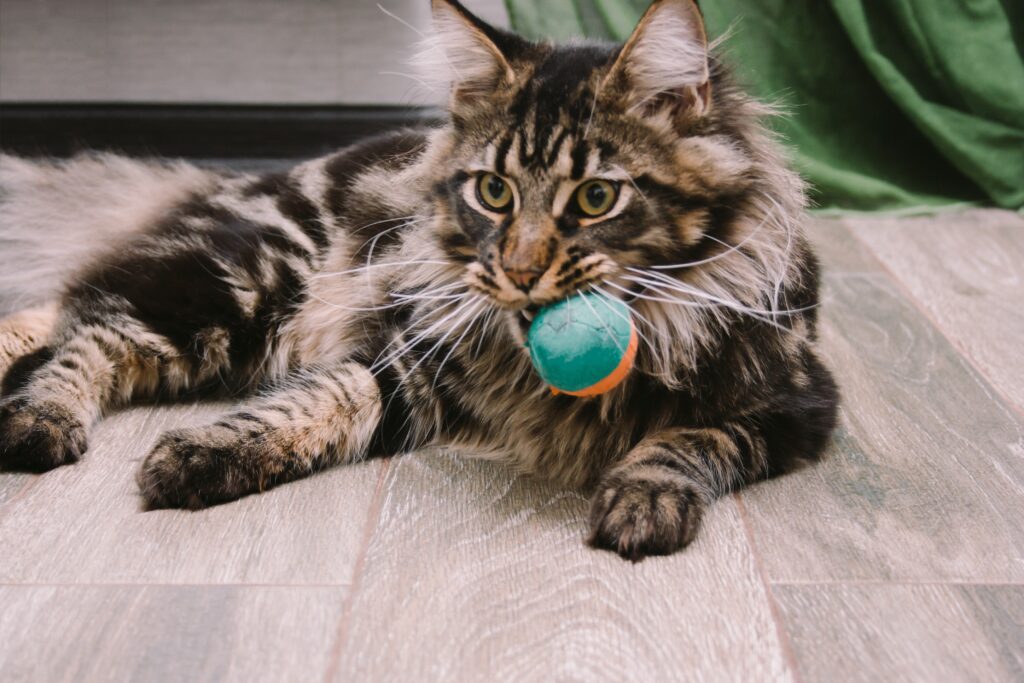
(196, 468)
(39, 436)
(635, 515)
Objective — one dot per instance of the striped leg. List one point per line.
(45, 422)
(317, 419)
(651, 503)
(22, 336)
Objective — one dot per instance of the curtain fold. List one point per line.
(892, 104)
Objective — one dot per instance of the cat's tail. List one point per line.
(56, 216)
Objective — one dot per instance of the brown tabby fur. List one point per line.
(377, 304)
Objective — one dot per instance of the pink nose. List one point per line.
(524, 279)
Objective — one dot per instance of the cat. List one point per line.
(376, 300)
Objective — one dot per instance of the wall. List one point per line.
(213, 51)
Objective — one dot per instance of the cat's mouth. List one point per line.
(525, 316)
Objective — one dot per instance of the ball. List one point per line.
(584, 345)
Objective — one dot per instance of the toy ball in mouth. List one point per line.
(584, 345)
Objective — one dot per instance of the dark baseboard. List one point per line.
(203, 131)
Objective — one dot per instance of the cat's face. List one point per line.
(573, 164)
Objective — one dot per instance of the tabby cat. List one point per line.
(376, 300)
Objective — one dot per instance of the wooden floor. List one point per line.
(901, 558)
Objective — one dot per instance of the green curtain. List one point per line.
(892, 104)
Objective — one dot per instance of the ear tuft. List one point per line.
(459, 56)
(666, 57)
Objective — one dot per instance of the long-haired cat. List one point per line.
(375, 300)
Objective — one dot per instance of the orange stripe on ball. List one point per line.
(615, 376)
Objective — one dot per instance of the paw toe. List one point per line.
(37, 437)
(191, 471)
(637, 519)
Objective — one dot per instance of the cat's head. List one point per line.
(576, 166)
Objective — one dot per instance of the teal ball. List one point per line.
(584, 345)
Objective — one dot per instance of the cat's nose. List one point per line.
(527, 250)
(524, 279)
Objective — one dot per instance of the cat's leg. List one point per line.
(652, 501)
(23, 338)
(91, 367)
(318, 418)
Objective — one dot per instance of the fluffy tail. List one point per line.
(56, 216)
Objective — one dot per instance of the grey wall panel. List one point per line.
(213, 51)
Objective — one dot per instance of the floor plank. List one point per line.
(475, 575)
(966, 270)
(905, 633)
(166, 633)
(925, 479)
(11, 484)
(83, 523)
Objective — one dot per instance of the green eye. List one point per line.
(494, 193)
(595, 197)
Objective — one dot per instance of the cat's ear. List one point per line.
(462, 54)
(665, 60)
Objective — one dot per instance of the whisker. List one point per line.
(469, 325)
(488, 318)
(431, 295)
(715, 257)
(382, 307)
(629, 177)
(683, 288)
(400, 20)
(373, 245)
(385, 357)
(467, 311)
(632, 311)
(372, 241)
(716, 301)
(377, 366)
(648, 297)
(363, 309)
(603, 323)
(384, 220)
(422, 262)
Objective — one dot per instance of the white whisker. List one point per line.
(719, 255)
(386, 357)
(658, 279)
(469, 325)
(632, 311)
(400, 20)
(648, 297)
(385, 264)
(379, 365)
(603, 323)
(466, 311)
(757, 314)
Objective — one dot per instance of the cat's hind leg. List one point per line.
(92, 365)
(23, 339)
(319, 417)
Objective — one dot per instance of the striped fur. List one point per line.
(371, 302)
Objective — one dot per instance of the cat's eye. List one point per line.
(595, 197)
(494, 193)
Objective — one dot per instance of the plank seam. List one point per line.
(162, 584)
(899, 582)
(780, 631)
(344, 622)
